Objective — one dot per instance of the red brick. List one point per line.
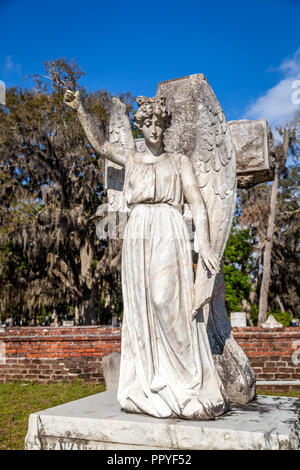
(270, 363)
(45, 354)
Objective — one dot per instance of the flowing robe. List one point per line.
(167, 369)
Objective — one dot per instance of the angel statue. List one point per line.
(167, 366)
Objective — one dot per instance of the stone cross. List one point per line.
(252, 139)
(254, 161)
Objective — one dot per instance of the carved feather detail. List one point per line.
(214, 151)
(214, 163)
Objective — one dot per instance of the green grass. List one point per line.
(19, 400)
(283, 393)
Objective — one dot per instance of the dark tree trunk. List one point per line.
(88, 309)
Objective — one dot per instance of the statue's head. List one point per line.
(151, 118)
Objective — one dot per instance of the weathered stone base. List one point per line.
(96, 422)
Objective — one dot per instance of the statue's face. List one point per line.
(153, 130)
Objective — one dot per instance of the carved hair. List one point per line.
(148, 107)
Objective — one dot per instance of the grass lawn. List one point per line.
(18, 400)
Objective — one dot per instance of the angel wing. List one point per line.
(214, 163)
(215, 169)
(119, 133)
(199, 130)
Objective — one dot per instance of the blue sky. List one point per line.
(249, 52)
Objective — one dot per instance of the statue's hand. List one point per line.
(210, 259)
(72, 99)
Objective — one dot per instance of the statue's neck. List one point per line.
(155, 150)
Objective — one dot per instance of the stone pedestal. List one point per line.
(96, 422)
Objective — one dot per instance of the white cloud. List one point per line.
(279, 104)
(8, 64)
(11, 67)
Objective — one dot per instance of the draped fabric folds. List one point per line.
(167, 369)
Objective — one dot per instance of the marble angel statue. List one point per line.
(167, 369)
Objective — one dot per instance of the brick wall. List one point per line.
(54, 354)
(274, 353)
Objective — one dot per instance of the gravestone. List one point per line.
(271, 322)
(111, 370)
(68, 323)
(238, 319)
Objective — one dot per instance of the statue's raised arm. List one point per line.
(112, 151)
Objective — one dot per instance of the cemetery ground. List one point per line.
(19, 399)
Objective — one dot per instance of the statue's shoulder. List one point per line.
(131, 155)
(175, 156)
(179, 158)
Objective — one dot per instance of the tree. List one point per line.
(271, 212)
(237, 267)
(281, 154)
(51, 185)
